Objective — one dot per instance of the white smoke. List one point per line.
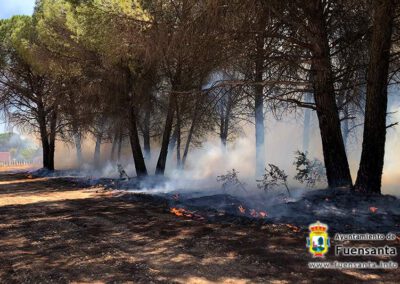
(283, 138)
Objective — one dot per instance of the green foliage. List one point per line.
(59, 49)
(231, 180)
(28, 153)
(19, 148)
(308, 172)
(274, 177)
(16, 37)
(83, 31)
(5, 138)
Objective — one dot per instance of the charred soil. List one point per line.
(57, 231)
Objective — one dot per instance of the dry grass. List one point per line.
(17, 168)
(12, 199)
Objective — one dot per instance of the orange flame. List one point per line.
(252, 212)
(181, 212)
(263, 214)
(293, 228)
(373, 209)
(176, 211)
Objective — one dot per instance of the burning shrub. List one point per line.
(252, 212)
(308, 172)
(231, 181)
(273, 177)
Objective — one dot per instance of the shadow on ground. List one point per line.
(109, 239)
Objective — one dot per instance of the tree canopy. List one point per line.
(173, 72)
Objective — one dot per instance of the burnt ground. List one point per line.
(57, 231)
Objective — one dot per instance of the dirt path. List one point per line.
(54, 231)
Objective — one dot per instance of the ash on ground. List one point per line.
(343, 210)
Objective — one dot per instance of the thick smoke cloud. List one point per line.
(283, 138)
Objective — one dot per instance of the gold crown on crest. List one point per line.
(318, 227)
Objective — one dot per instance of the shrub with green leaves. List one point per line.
(273, 177)
(231, 181)
(309, 172)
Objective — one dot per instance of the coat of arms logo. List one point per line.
(318, 240)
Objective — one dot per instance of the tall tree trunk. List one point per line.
(260, 133)
(146, 137)
(369, 175)
(225, 119)
(172, 100)
(52, 139)
(46, 151)
(44, 137)
(259, 119)
(97, 148)
(191, 130)
(47, 139)
(259, 96)
(336, 164)
(146, 128)
(179, 136)
(162, 159)
(188, 141)
(222, 135)
(78, 146)
(138, 158)
(307, 124)
(178, 151)
(345, 126)
(172, 140)
(137, 153)
(224, 138)
(45, 146)
(114, 146)
(119, 150)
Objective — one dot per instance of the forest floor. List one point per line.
(56, 231)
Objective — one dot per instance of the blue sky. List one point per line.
(9, 8)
